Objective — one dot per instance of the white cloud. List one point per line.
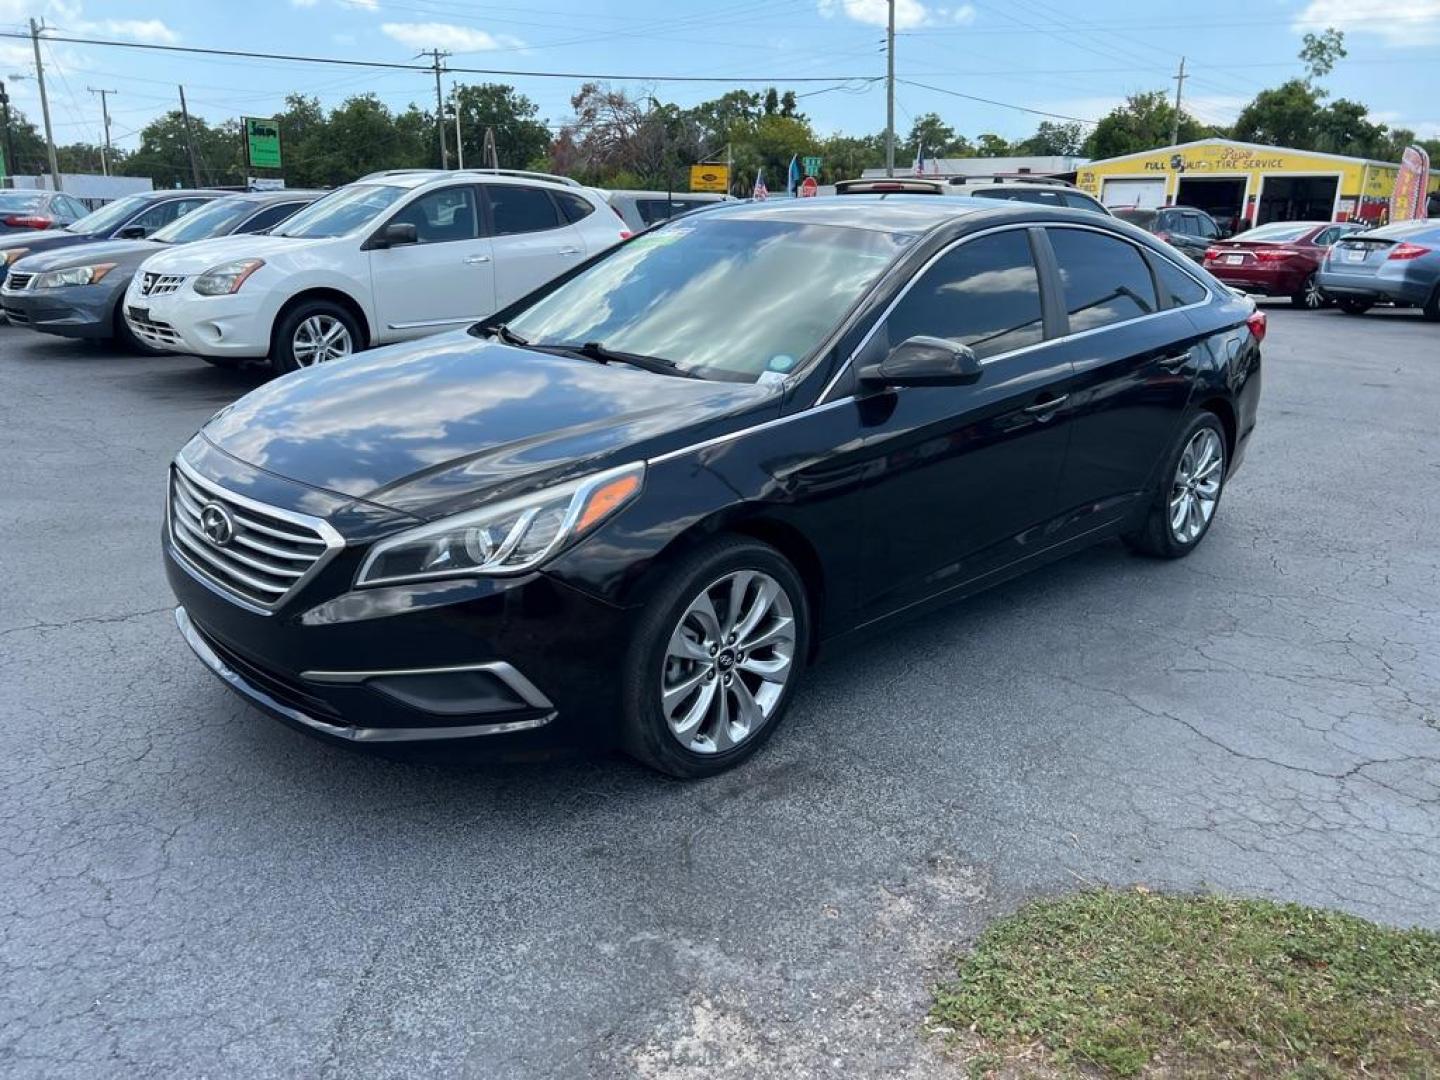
(303, 3)
(908, 13)
(436, 35)
(367, 5)
(1398, 23)
(152, 31)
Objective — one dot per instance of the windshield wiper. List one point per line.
(594, 350)
(505, 334)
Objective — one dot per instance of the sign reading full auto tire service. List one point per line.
(262, 143)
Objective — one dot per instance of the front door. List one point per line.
(962, 479)
(446, 279)
(1134, 362)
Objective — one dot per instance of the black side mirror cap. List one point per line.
(396, 234)
(133, 232)
(924, 361)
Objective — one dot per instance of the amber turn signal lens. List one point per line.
(606, 499)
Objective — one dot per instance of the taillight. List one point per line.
(1403, 252)
(1274, 254)
(29, 221)
(1212, 253)
(1257, 324)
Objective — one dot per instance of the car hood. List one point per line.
(43, 239)
(197, 257)
(127, 254)
(434, 427)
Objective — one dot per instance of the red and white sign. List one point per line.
(1408, 202)
(809, 188)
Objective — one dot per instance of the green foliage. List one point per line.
(1321, 51)
(1133, 983)
(219, 152)
(1052, 140)
(1142, 123)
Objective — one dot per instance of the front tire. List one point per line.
(1355, 307)
(715, 659)
(125, 338)
(315, 332)
(1184, 504)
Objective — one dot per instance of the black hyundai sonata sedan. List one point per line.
(630, 508)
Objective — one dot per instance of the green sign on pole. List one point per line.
(262, 143)
(812, 166)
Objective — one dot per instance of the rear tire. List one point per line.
(714, 662)
(1355, 307)
(314, 332)
(1431, 311)
(1309, 298)
(1188, 495)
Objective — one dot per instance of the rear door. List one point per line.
(443, 280)
(532, 240)
(963, 478)
(1134, 359)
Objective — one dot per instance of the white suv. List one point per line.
(394, 255)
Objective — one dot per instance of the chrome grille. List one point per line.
(15, 282)
(269, 554)
(153, 332)
(160, 284)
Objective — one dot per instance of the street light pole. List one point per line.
(890, 92)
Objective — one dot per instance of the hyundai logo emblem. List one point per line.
(217, 524)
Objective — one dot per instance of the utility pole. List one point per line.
(890, 93)
(459, 142)
(1179, 86)
(9, 137)
(189, 140)
(35, 29)
(105, 116)
(436, 56)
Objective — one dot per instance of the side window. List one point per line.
(1179, 288)
(72, 208)
(1076, 201)
(573, 206)
(1105, 280)
(441, 216)
(653, 210)
(1206, 227)
(985, 294)
(521, 209)
(164, 213)
(269, 217)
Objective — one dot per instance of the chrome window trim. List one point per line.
(334, 542)
(929, 263)
(527, 691)
(245, 688)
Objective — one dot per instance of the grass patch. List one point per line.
(1134, 983)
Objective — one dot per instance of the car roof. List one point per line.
(629, 193)
(1406, 228)
(896, 213)
(282, 195)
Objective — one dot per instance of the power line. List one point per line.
(999, 104)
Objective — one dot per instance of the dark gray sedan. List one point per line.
(76, 292)
(24, 210)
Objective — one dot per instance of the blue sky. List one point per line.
(1075, 60)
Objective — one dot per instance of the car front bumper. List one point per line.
(185, 322)
(77, 311)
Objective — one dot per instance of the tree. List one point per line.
(521, 140)
(845, 157)
(991, 145)
(1321, 51)
(163, 158)
(931, 133)
(1285, 115)
(1053, 140)
(1142, 123)
(30, 156)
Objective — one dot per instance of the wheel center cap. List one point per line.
(725, 661)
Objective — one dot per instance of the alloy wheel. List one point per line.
(728, 661)
(321, 338)
(1196, 488)
(1314, 299)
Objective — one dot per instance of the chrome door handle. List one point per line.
(1044, 410)
(476, 260)
(568, 251)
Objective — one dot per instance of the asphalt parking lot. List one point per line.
(190, 889)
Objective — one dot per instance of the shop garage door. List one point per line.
(1146, 194)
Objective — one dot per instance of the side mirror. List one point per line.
(924, 361)
(397, 234)
(133, 232)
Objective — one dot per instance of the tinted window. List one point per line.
(1174, 223)
(270, 217)
(985, 294)
(1203, 226)
(1179, 287)
(164, 213)
(109, 216)
(1105, 280)
(344, 210)
(725, 298)
(1145, 219)
(216, 219)
(1280, 232)
(521, 209)
(71, 208)
(441, 216)
(573, 206)
(1025, 195)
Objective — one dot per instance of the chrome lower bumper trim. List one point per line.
(237, 682)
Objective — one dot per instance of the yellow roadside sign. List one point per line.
(710, 178)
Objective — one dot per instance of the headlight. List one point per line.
(8, 257)
(226, 278)
(506, 538)
(76, 275)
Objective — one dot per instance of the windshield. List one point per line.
(11, 201)
(1143, 218)
(1279, 232)
(213, 219)
(108, 216)
(342, 211)
(724, 298)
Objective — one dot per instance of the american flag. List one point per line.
(761, 191)
(920, 161)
